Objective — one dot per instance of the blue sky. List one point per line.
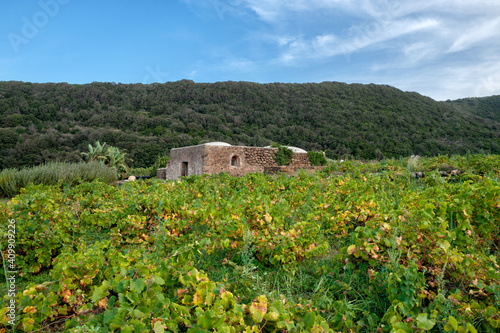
(444, 49)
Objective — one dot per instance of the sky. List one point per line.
(444, 49)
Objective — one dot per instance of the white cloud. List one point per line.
(485, 31)
(240, 64)
(272, 10)
(275, 10)
(473, 80)
(440, 48)
(419, 51)
(361, 37)
(443, 81)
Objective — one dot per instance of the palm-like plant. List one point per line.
(108, 155)
(116, 159)
(96, 153)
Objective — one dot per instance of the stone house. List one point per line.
(217, 157)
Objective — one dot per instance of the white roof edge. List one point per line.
(225, 144)
(294, 149)
(217, 144)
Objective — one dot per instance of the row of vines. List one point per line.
(187, 256)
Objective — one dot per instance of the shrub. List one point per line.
(446, 167)
(283, 156)
(161, 162)
(379, 155)
(8, 182)
(12, 180)
(140, 172)
(317, 158)
(109, 155)
(413, 163)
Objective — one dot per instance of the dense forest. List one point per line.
(57, 121)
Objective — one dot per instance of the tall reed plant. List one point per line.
(13, 180)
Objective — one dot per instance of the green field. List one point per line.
(357, 247)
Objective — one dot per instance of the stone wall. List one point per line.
(300, 160)
(192, 155)
(235, 160)
(161, 173)
(257, 156)
(219, 159)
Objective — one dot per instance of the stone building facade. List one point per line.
(217, 157)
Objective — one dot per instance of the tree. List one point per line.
(96, 153)
(116, 159)
(107, 155)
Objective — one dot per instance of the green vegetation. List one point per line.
(96, 153)
(48, 122)
(413, 163)
(110, 156)
(283, 156)
(141, 172)
(55, 173)
(161, 162)
(486, 107)
(317, 158)
(357, 247)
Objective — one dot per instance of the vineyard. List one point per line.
(357, 247)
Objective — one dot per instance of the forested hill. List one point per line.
(42, 122)
(487, 107)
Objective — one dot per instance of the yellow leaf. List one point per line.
(103, 303)
(30, 309)
(39, 287)
(197, 299)
(351, 249)
(66, 294)
(258, 308)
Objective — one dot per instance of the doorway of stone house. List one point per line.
(184, 169)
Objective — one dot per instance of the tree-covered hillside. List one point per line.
(43, 122)
(487, 107)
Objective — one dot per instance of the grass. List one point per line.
(413, 163)
(328, 283)
(56, 173)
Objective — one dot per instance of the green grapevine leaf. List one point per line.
(424, 322)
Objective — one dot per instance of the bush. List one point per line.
(413, 163)
(140, 172)
(109, 155)
(12, 180)
(283, 156)
(161, 162)
(317, 158)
